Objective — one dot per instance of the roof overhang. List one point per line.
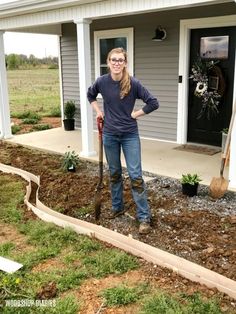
(28, 6)
(25, 14)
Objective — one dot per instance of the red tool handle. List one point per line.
(100, 123)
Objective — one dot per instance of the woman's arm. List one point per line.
(97, 109)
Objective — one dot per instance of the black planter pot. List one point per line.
(189, 189)
(71, 168)
(69, 124)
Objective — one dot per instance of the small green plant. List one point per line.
(164, 303)
(70, 161)
(30, 121)
(69, 109)
(6, 248)
(190, 179)
(15, 128)
(120, 295)
(225, 130)
(41, 127)
(55, 112)
(26, 115)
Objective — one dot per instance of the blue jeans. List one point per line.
(130, 144)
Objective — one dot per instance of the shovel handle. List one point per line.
(222, 167)
(100, 123)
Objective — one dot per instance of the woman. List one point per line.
(120, 91)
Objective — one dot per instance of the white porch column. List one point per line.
(84, 60)
(5, 122)
(232, 162)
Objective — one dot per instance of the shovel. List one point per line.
(219, 186)
(98, 191)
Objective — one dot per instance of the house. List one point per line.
(163, 39)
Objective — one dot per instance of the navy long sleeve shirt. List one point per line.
(118, 111)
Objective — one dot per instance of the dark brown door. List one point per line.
(207, 128)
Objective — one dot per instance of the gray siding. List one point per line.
(155, 63)
(69, 63)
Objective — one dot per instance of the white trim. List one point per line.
(114, 33)
(95, 7)
(60, 81)
(84, 63)
(46, 12)
(5, 121)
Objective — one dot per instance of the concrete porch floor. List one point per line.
(157, 157)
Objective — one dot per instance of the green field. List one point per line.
(34, 90)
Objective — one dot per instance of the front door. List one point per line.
(210, 101)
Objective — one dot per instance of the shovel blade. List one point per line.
(218, 187)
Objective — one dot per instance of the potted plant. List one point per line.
(70, 161)
(69, 113)
(190, 184)
(224, 137)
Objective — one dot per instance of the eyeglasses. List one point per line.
(114, 61)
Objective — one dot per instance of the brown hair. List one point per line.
(125, 81)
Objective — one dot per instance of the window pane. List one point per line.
(107, 44)
(103, 70)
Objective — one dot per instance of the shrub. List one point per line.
(41, 127)
(69, 109)
(30, 121)
(15, 129)
(190, 179)
(70, 161)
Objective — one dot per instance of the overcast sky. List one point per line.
(39, 45)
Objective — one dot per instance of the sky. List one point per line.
(37, 44)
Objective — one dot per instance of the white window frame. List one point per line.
(114, 33)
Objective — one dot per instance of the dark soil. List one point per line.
(197, 228)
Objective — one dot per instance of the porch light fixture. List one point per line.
(160, 34)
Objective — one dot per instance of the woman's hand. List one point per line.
(138, 113)
(100, 114)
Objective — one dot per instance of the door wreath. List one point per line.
(210, 86)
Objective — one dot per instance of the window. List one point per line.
(106, 40)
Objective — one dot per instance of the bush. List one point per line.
(41, 127)
(15, 129)
(190, 179)
(69, 109)
(30, 121)
(55, 112)
(70, 161)
(27, 115)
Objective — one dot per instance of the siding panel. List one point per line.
(69, 62)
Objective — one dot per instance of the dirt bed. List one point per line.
(199, 229)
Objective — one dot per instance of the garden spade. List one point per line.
(219, 185)
(98, 191)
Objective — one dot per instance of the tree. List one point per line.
(13, 61)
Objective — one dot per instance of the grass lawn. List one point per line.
(34, 90)
(71, 273)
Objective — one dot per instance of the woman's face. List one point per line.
(117, 63)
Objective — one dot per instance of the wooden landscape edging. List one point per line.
(177, 264)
